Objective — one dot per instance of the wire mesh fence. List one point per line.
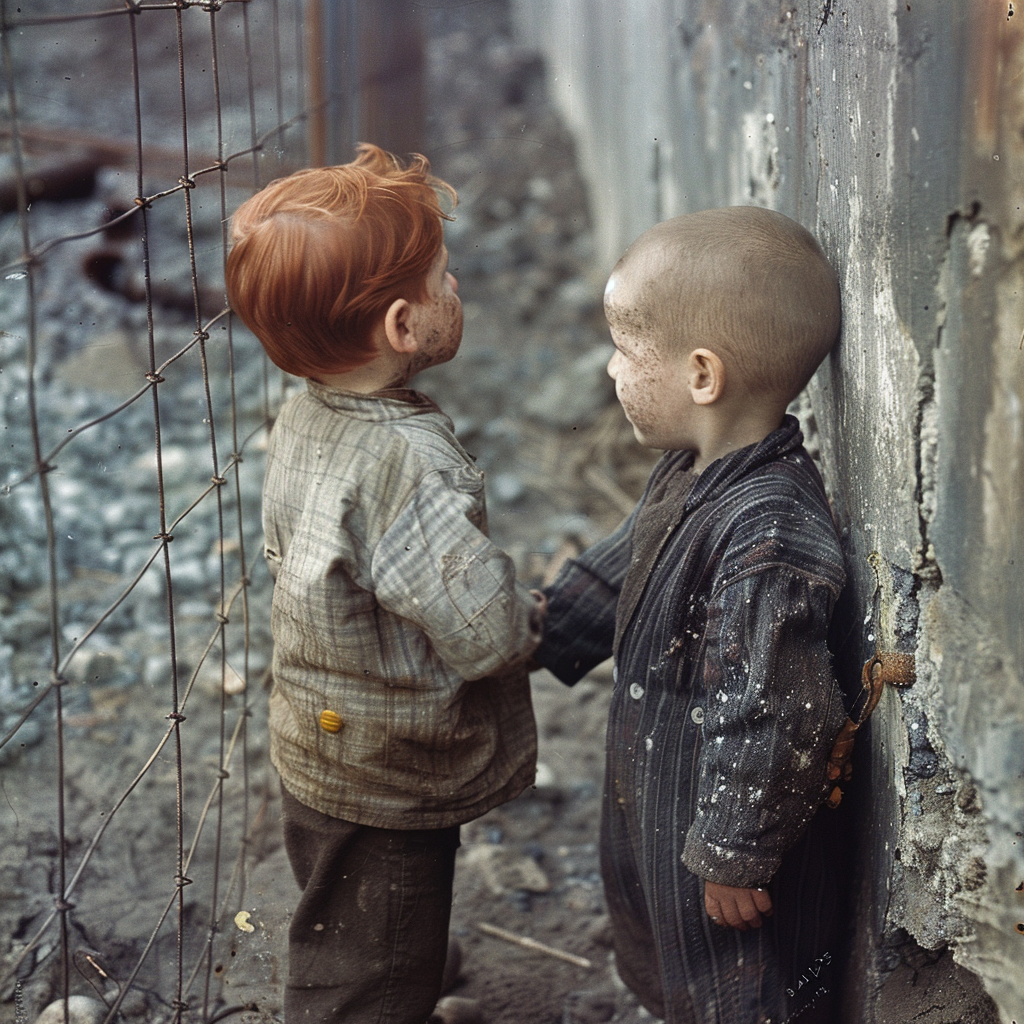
(134, 413)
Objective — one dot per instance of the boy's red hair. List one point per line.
(318, 257)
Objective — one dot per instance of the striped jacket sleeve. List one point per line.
(580, 626)
(773, 710)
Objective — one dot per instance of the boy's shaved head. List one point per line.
(749, 284)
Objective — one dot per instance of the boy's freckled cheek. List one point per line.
(636, 393)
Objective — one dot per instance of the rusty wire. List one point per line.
(225, 473)
(130, 7)
(145, 202)
(56, 681)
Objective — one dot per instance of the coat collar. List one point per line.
(663, 507)
(378, 406)
(723, 472)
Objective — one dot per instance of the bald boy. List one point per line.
(714, 598)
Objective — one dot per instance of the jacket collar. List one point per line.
(723, 472)
(378, 406)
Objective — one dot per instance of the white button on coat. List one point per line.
(697, 714)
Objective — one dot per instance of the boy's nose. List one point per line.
(613, 364)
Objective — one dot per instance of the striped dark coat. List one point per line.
(715, 598)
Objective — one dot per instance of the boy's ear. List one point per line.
(398, 327)
(706, 376)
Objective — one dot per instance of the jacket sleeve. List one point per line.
(580, 625)
(436, 567)
(772, 712)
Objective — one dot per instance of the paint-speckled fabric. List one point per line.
(394, 611)
(715, 598)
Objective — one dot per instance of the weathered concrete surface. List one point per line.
(893, 131)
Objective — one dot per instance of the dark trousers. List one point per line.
(368, 939)
(686, 969)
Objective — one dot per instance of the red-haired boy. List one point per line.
(400, 706)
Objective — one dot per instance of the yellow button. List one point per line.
(330, 721)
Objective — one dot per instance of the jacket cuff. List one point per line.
(563, 659)
(728, 866)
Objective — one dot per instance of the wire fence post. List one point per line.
(50, 421)
(367, 77)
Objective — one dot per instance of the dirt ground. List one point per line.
(529, 867)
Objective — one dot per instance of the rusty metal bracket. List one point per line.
(881, 668)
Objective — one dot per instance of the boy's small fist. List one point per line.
(736, 907)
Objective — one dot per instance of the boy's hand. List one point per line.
(736, 907)
(537, 622)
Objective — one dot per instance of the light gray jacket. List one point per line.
(395, 614)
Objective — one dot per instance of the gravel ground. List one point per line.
(529, 397)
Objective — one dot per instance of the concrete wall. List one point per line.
(892, 129)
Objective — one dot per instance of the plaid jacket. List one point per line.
(400, 699)
(715, 596)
